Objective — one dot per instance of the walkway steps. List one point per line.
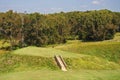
(61, 63)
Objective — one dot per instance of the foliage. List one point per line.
(96, 25)
(21, 29)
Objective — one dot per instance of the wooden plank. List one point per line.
(60, 63)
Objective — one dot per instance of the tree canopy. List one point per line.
(37, 29)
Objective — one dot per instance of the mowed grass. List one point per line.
(59, 75)
(44, 52)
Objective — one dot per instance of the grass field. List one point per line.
(85, 61)
(44, 52)
(59, 75)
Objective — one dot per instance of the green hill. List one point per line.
(85, 60)
(108, 50)
(78, 55)
(44, 52)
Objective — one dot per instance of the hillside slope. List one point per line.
(107, 50)
(85, 61)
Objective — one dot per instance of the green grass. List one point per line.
(117, 37)
(105, 49)
(44, 52)
(13, 62)
(59, 75)
(91, 63)
(81, 55)
(85, 61)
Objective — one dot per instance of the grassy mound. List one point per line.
(109, 49)
(39, 62)
(44, 52)
(14, 62)
(106, 50)
(91, 63)
(11, 62)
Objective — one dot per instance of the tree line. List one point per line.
(23, 29)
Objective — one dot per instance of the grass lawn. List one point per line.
(44, 52)
(59, 75)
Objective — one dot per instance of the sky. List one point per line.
(53, 6)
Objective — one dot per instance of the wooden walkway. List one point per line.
(61, 63)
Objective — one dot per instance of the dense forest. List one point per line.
(23, 29)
